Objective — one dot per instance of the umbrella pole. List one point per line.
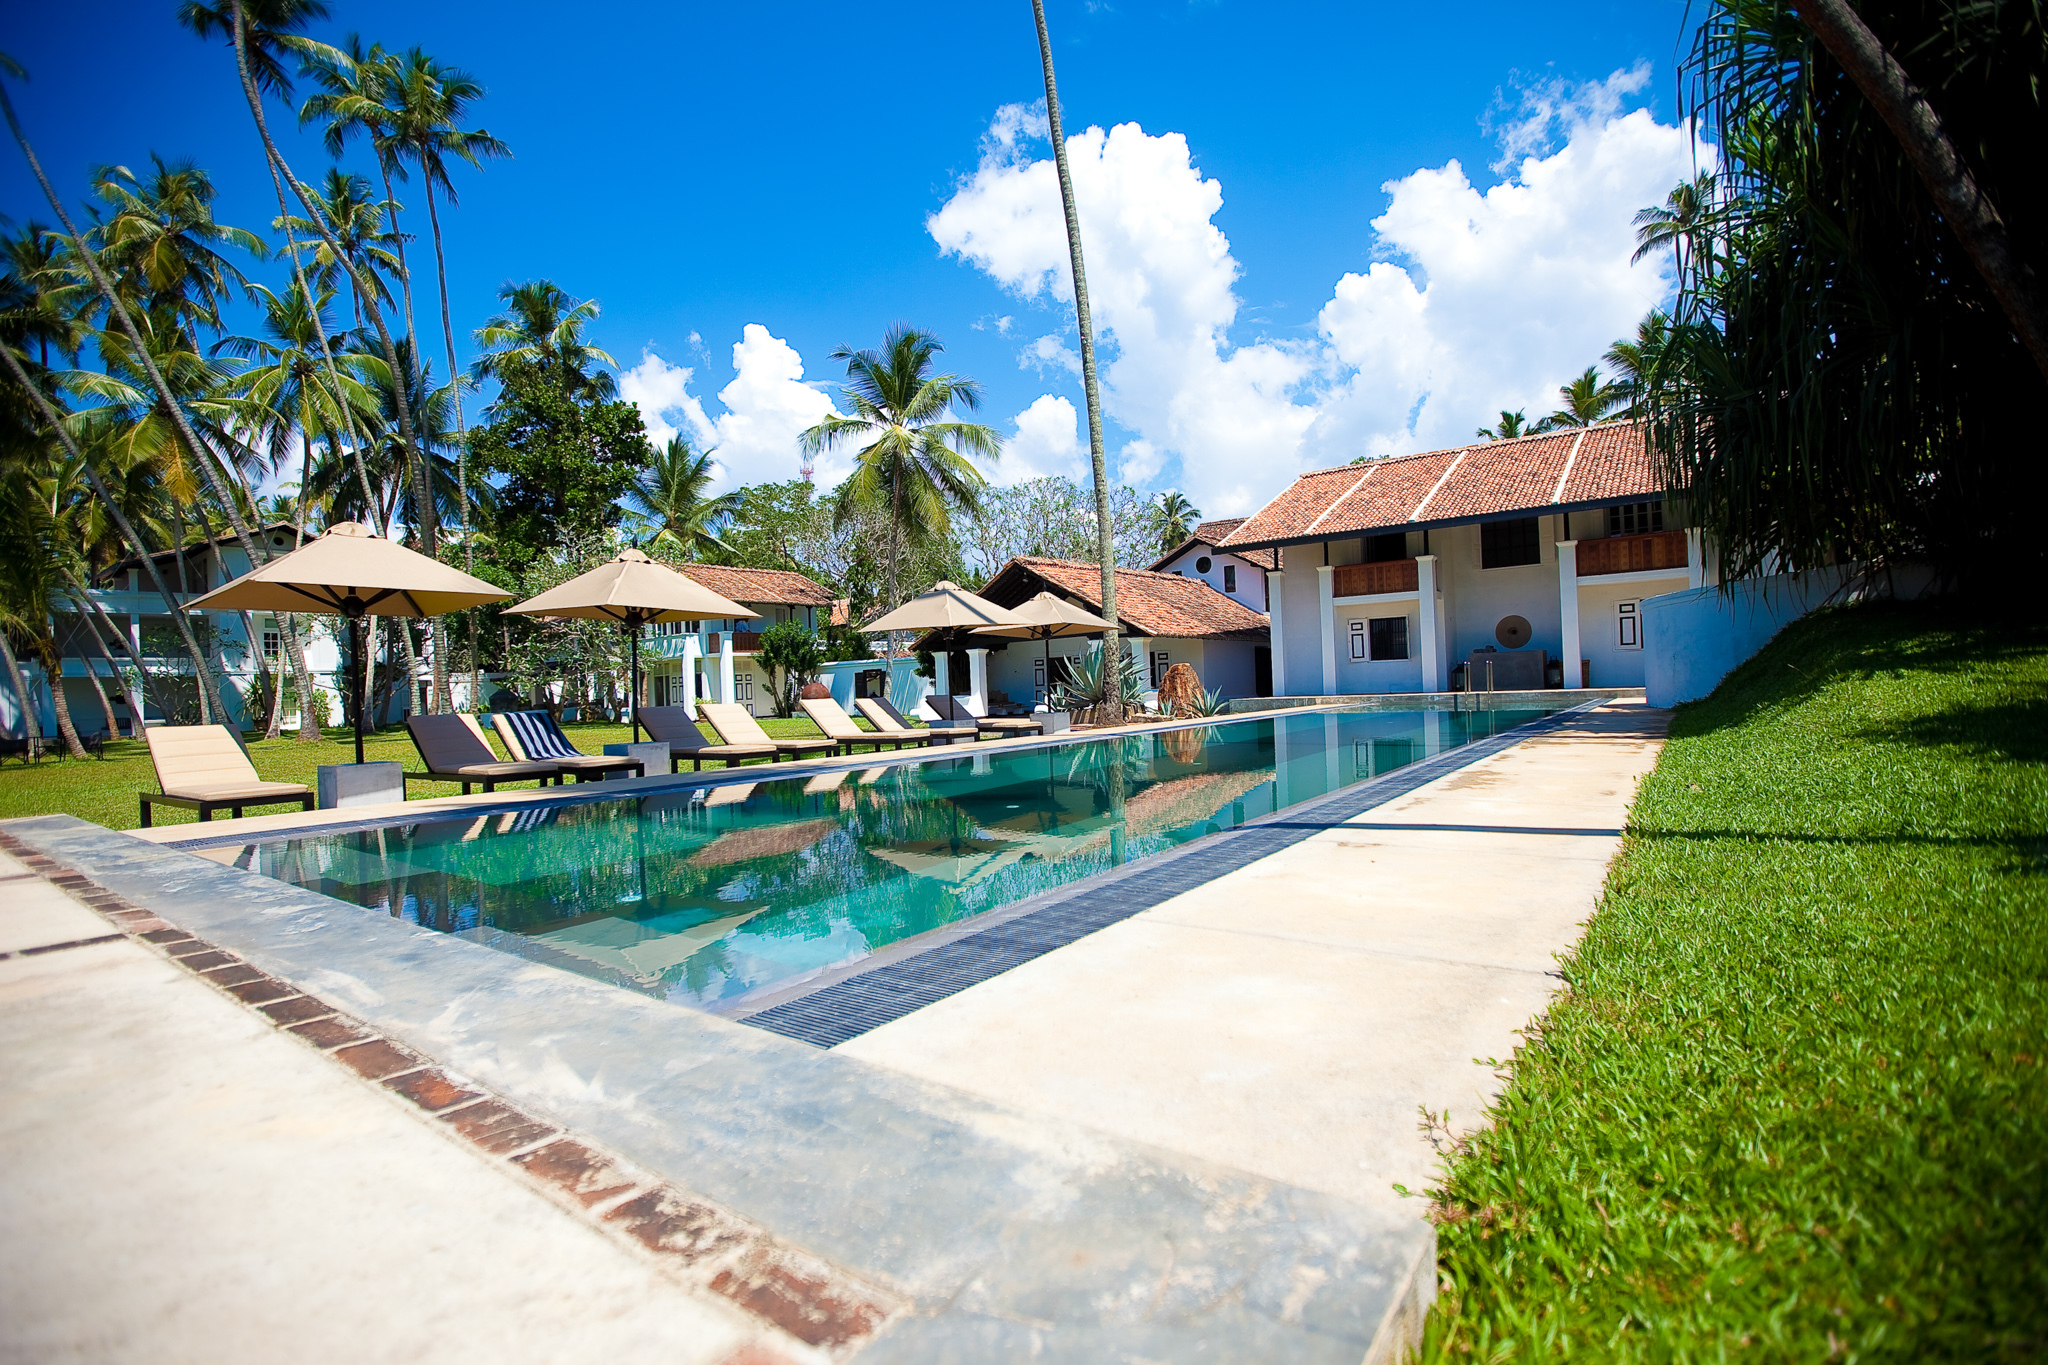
(355, 631)
(633, 701)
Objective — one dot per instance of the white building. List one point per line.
(1524, 561)
(1240, 576)
(1165, 619)
(683, 662)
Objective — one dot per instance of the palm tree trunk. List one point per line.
(1970, 213)
(31, 727)
(92, 674)
(461, 452)
(238, 27)
(53, 663)
(136, 545)
(1105, 544)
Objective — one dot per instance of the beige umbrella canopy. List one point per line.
(353, 572)
(632, 590)
(1047, 616)
(946, 607)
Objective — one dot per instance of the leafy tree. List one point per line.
(671, 502)
(1055, 518)
(1840, 383)
(565, 460)
(792, 656)
(542, 329)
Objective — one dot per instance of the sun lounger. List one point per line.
(736, 726)
(671, 725)
(454, 749)
(533, 737)
(954, 710)
(828, 716)
(200, 767)
(890, 721)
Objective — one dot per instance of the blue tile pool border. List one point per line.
(840, 1005)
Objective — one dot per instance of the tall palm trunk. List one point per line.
(92, 675)
(238, 27)
(895, 594)
(461, 459)
(208, 689)
(1105, 545)
(53, 664)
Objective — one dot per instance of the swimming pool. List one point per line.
(707, 896)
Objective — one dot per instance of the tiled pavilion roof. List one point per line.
(781, 587)
(1149, 603)
(1556, 471)
(1212, 533)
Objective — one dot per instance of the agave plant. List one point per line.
(1086, 685)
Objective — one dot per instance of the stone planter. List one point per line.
(1055, 722)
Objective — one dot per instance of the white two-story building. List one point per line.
(1510, 564)
(684, 662)
(1240, 576)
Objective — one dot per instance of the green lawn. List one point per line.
(1795, 1103)
(103, 790)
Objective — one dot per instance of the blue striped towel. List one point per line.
(540, 736)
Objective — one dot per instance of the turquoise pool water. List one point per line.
(705, 896)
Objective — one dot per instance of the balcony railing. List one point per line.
(1367, 580)
(1632, 554)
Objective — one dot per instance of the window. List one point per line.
(1635, 518)
(1504, 544)
(1628, 625)
(1389, 637)
(1160, 663)
(1203, 564)
(743, 687)
(1230, 578)
(1358, 646)
(273, 642)
(1380, 549)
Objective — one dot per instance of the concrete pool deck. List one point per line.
(1014, 1217)
(1294, 1017)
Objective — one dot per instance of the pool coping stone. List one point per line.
(1007, 1234)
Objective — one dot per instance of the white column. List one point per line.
(1695, 559)
(1139, 645)
(942, 672)
(1429, 608)
(977, 681)
(726, 690)
(693, 659)
(1568, 607)
(1276, 583)
(1326, 610)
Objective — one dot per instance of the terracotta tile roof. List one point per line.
(1582, 467)
(781, 587)
(1212, 533)
(1149, 603)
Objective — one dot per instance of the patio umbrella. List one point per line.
(353, 572)
(948, 606)
(1047, 616)
(632, 590)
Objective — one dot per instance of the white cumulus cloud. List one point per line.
(767, 408)
(1483, 298)
(1047, 442)
(662, 393)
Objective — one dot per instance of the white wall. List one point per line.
(1378, 675)
(1599, 634)
(1476, 599)
(1301, 614)
(1251, 579)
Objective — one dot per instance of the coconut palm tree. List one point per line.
(357, 221)
(1587, 400)
(1169, 519)
(1511, 425)
(1636, 361)
(671, 503)
(542, 326)
(915, 466)
(1683, 222)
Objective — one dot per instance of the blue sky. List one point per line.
(701, 169)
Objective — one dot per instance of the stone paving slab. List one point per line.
(1002, 1227)
(1292, 1017)
(179, 1181)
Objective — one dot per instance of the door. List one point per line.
(1262, 671)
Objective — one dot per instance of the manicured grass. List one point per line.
(104, 790)
(1794, 1105)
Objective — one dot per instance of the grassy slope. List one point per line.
(1795, 1104)
(103, 790)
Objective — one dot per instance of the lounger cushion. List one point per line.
(538, 735)
(252, 792)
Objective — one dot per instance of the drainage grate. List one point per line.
(852, 1006)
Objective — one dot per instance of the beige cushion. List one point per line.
(240, 791)
(828, 716)
(190, 756)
